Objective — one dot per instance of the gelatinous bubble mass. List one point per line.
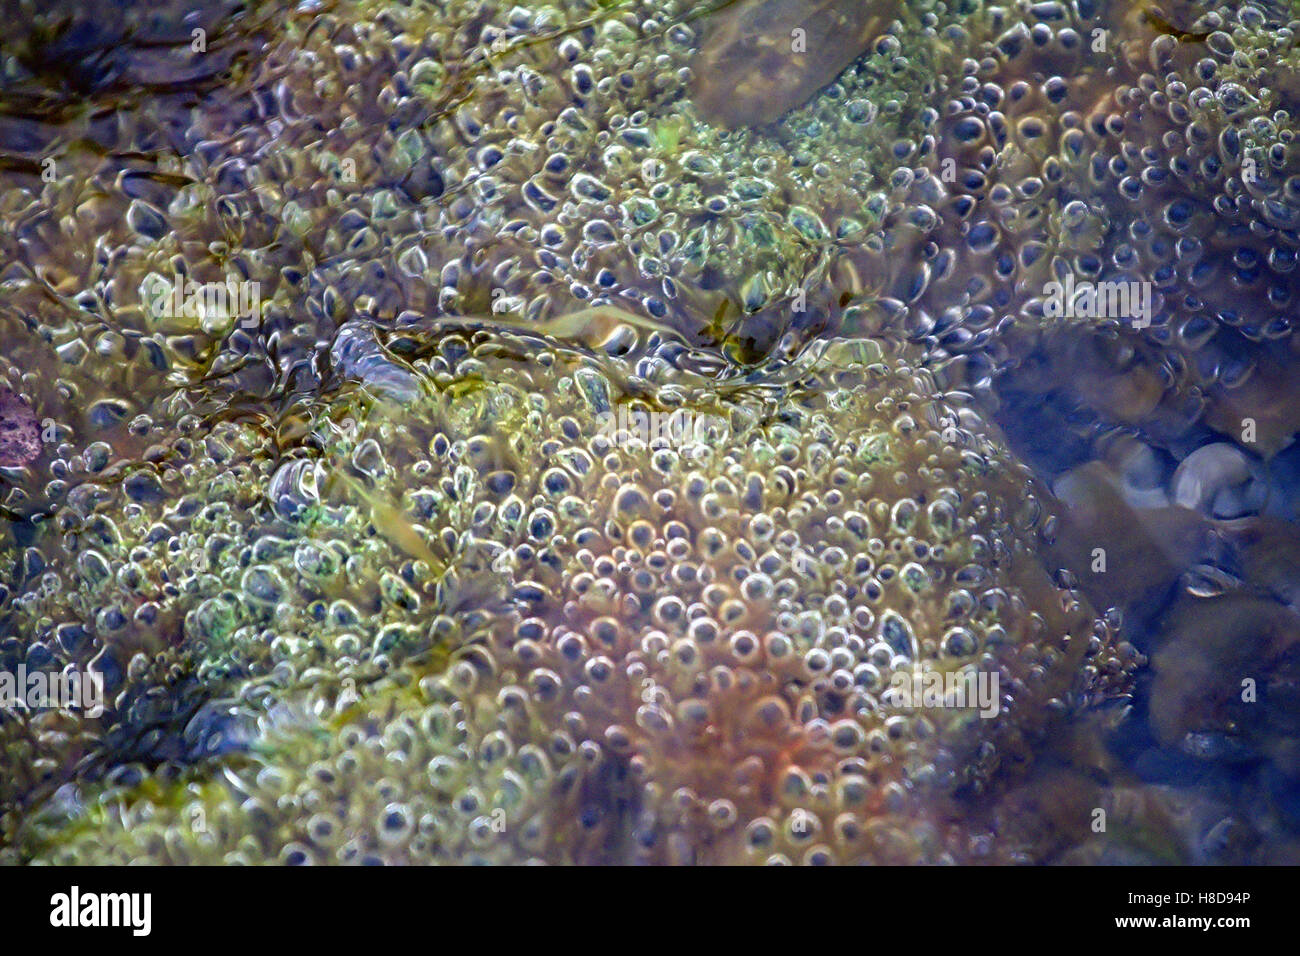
(649, 431)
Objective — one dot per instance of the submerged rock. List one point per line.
(1226, 678)
(20, 433)
(1217, 480)
(1124, 556)
(761, 59)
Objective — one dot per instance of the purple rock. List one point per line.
(20, 433)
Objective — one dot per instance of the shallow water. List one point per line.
(664, 432)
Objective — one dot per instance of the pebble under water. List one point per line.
(649, 431)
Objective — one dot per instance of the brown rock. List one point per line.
(761, 59)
